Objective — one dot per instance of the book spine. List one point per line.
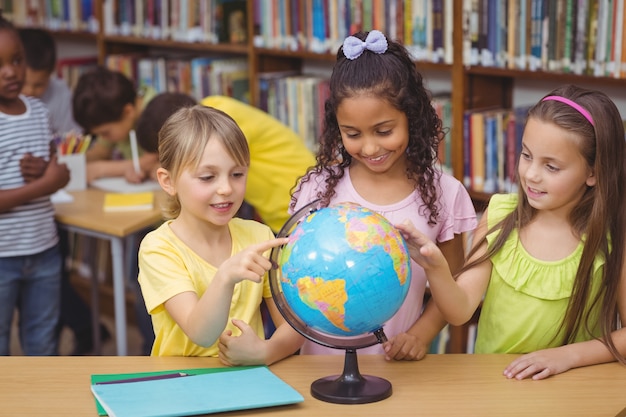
(500, 149)
(515, 38)
(580, 44)
(618, 38)
(600, 47)
(448, 31)
(610, 41)
(437, 31)
(592, 30)
(511, 152)
(491, 154)
(554, 24)
(568, 36)
(400, 19)
(502, 34)
(478, 150)
(483, 30)
(534, 60)
(368, 22)
(467, 149)
(319, 33)
(473, 56)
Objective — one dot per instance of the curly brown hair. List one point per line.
(391, 76)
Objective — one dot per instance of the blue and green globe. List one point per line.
(345, 271)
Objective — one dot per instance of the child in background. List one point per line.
(30, 259)
(203, 273)
(548, 260)
(106, 105)
(379, 149)
(278, 155)
(40, 81)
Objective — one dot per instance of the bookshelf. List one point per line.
(473, 83)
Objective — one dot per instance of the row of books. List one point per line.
(75, 15)
(584, 37)
(297, 101)
(70, 69)
(320, 26)
(199, 77)
(491, 144)
(210, 21)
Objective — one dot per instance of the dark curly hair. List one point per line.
(394, 77)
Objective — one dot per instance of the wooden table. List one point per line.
(85, 216)
(440, 385)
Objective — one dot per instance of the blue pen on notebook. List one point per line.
(145, 378)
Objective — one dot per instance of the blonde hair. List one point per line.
(184, 136)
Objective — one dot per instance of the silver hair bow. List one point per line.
(375, 41)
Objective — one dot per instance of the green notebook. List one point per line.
(199, 391)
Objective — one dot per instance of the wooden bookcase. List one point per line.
(471, 87)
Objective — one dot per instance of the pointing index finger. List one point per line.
(263, 247)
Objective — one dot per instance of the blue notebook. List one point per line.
(239, 389)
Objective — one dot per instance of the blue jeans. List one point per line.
(32, 284)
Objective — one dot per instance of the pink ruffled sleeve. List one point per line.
(458, 213)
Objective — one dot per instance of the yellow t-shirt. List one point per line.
(278, 157)
(168, 267)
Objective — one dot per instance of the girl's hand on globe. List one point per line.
(243, 350)
(250, 263)
(422, 250)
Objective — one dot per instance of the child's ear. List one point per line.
(591, 179)
(166, 181)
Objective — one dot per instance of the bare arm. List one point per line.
(285, 341)
(55, 176)
(123, 168)
(249, 349)
(414, 343)
(457, 300)
(98, 152)
(432, 321)
(204, 319)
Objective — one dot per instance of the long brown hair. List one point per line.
(599, 216)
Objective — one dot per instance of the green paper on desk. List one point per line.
(204, 391)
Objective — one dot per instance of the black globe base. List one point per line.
(351, 387)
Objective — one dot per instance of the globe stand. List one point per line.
(351, 387)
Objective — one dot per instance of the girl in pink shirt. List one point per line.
(379, 149)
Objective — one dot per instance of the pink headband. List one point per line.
(573, 105)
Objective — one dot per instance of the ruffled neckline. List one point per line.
(548, 280)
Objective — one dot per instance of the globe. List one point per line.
(344, 272)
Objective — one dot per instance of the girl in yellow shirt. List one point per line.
(203, 273)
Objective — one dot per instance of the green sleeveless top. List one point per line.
(526, 298)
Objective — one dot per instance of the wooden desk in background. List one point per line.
(85, 216)
(440, 385)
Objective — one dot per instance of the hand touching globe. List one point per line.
(345, 271)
